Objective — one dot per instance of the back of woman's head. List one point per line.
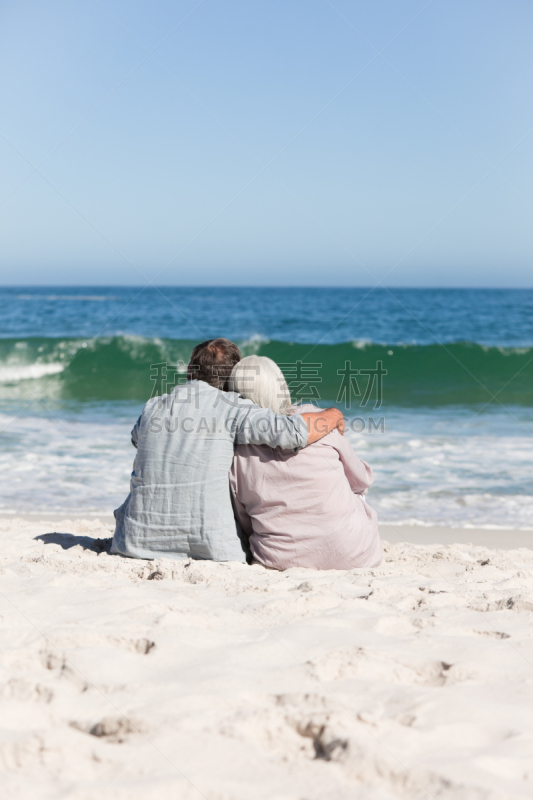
(260, 380)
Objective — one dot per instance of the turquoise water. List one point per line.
(120, 368)
(422, 316)
(449, 434)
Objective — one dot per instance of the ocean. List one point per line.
(437, 386)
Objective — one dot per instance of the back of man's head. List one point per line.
(212, 362)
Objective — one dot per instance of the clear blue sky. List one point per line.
(267, 142)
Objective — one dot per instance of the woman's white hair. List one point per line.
(259, 379)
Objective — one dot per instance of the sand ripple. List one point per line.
(134, 679)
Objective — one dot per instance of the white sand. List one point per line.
(134, 679)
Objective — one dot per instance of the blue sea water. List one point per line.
(450, 439)
(499, 317)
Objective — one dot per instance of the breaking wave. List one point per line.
(123, 367)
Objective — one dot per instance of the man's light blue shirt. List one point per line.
(180, 504)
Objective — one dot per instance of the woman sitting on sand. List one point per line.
(306, 508)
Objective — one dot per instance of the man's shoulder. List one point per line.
(219, 397)
(199, 396)
(183, 392)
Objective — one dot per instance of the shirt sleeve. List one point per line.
(256, 425)
(149, 406)
(135, 432)
(239, 510)
(358, 472)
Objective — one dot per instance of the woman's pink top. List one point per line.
(306, 509)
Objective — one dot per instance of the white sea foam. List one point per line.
(431, 469)
(251, 345)
(451, 468)
(12, 373)
(60, 463)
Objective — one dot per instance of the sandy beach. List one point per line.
(266, 272)
(163, 679)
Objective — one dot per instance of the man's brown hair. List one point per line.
(212, 362)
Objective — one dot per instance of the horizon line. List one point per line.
(255, 286)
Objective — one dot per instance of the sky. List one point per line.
(266, 142)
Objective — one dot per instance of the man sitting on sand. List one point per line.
(179, 505)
